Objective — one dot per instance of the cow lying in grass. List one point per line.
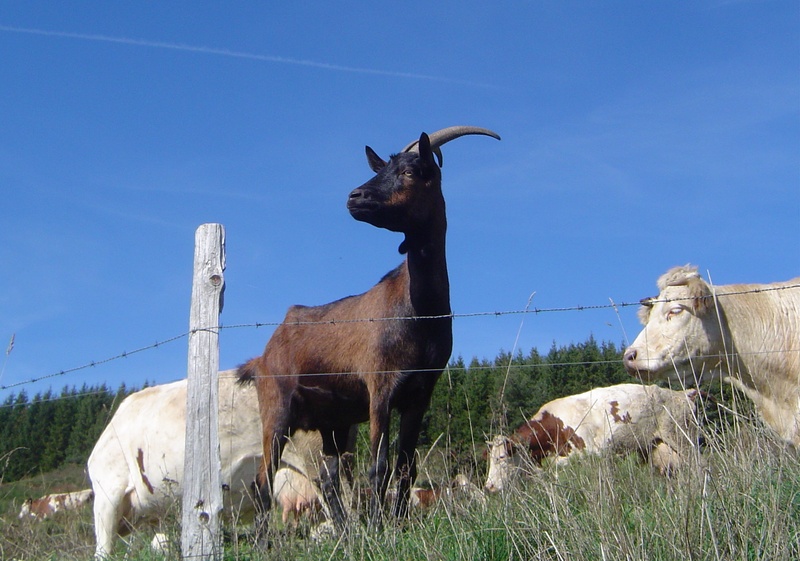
(657, 423)
(47, 506)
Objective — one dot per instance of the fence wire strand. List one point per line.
(526, 311)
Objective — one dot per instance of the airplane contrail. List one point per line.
(235, 54)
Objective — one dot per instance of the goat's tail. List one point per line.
(248, 372)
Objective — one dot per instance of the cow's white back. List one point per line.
(136, 467)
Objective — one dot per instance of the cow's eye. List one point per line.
(674, 311)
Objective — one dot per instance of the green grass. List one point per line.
(739, 500)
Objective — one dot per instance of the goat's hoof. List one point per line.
(261, 541)
(325, 531)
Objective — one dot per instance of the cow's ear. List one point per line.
(644, 310)
(700, 293)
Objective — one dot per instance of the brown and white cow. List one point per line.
(460, 489)
(658, 423)
(136, 467)
(48, 505)
(747, 333)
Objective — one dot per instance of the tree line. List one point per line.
(476, 401)
(43, 433)
(471, 401)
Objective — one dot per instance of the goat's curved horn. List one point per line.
(443, 136)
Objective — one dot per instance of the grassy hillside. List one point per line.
(740, 499)
(67, 537)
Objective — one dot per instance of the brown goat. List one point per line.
(332, 366)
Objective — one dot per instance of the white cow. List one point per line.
(747, 333)
(136, 467)
(296, 494)
(658, 423)
(48, 505)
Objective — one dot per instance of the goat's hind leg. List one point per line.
(275, 426)
(263, 504)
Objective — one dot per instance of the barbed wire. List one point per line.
(92, 364)
(71, 395)
(544, 363)
(485, 366)
(527, 310)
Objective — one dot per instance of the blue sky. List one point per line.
(636, 136)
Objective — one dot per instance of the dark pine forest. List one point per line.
(471, 401)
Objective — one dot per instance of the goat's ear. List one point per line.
(425, 151)
(376, 163)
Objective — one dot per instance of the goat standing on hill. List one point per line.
(332, 366)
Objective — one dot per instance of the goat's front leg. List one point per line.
(379, 472)
(406, 467)
(332, 443)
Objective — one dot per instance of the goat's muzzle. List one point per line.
(362, 205)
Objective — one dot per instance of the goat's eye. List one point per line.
(408, 173)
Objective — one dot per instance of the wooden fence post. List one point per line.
(201, 537)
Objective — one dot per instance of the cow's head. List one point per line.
(682, 338)
(26, 508)
(506, 461)
(502, 464)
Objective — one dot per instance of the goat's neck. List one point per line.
(429, 285)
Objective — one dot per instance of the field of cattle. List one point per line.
(721, 478)
(738, 499)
